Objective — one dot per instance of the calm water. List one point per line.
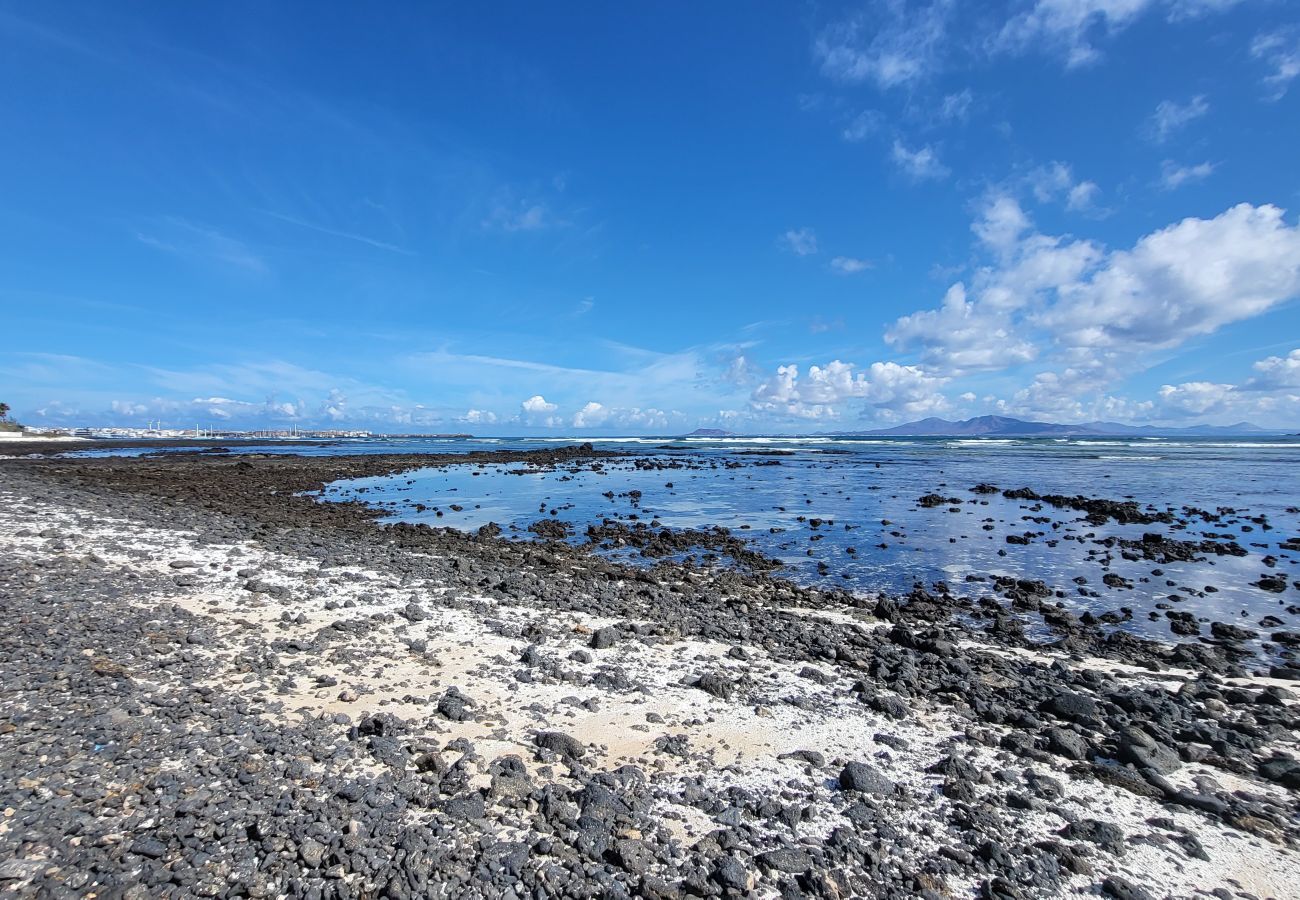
(866, 483)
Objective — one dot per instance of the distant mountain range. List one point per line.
(1003, 426)
(710, 432)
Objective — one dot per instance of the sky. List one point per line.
(648, 218)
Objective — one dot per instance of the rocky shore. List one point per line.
(213, 685)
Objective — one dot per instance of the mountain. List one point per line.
(710, 432)
(1004, 426)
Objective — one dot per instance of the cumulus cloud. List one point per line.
(1171, 116)
(1089, 305)
(1001, 223)
(1174, 176)
(537, 411)
(921, 164)
(335, 406)
(1056, 180)
(479, 417)
(891, 44)
(1276, 373)
(962, 336)
(590, 416)
(1188, 279)
(800, 241)
(824, 392)
(597, 415)
(1270, 398)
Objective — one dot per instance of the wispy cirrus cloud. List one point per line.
(194, 241)
(1174, 176)
(334, 232)
(850, 265)
(921, 164)
(891, 44)
(1171, 116)
(1280, 51)
(799, 241)
(1072, 27)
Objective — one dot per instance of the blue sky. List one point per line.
(618, 218)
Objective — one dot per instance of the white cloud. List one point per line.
(1193, 398)
(1171, 116)
(1082, 196)
(1276, 372)
(1280, 51)
(825, 390)
(1056, 180)
(1261, 400)
(800, 241)
(1001, 223)
(1188, 279)
(590, 416)
(963, 336)
(1174, 176)
(1100, 310)
(335, 406)
(920, 164)
(892, 44)
(479, 417)
(849, 265)
(1068, 25)
(537, 405)
(596, 415)
(1071, 26)
(127, 408)
(739, 370)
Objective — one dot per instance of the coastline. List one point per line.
(314, 654)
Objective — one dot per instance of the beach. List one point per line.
(217, 683)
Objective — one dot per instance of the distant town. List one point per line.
(161, 433)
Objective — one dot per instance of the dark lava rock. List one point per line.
(1121, 889)
(1283, 770)
(455, 706)
(1226, 632)
(787, 859)
(1073, 707)
(604, 638)
(858, 776)
(718, 685)
(1147, 754)
(1064, 742)
(731, 874)
(1108, 836)
(812, 757)
(1274, 583)
(561, 744)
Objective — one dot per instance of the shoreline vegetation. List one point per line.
(215, 685)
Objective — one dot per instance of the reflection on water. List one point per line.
(871, 535)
